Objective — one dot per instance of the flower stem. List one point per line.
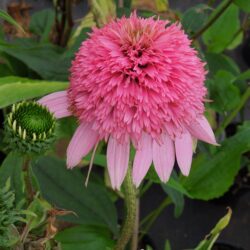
(212, 20)
(27, 179)
(134, 241)
(233, 114)
(129, 223)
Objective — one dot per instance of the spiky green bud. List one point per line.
(30, 128)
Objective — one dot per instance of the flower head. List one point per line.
(30, 128)
(136, 80)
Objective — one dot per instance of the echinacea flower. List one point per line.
(136, 81)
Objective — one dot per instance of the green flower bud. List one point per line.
(30, 128)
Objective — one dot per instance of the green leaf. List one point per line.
(221, 34)
(87, 237)
(244, 76)
(176, 197)
(172, 182)
(39, 208)
(195, 18)
(243, 4)
(14, 89)
(167, 245)
(41, 23)
(5, 16)
(65, 189)
(44, 59)
(218, 62)
(12, 168)
(211, 176)
(225, 95)
(210, 239)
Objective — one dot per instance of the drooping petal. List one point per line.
(164, 157)
(57, 103)
(117, 159)
(202, 130)
(81, 143)
(143, 159)
(184, 152)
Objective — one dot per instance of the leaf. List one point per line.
(12, 168)
(85, 237)
(211, 176)
(172, 182)
(176, 197)
(167, 245)
(195, 18)
(220, 34)
(5, 16)
(41, 23)
(14, 89)
(244, 76)
(210, 239)
(218, 62)
(65, 189)
(243, 4)
(155, 5)
(44, 59)
(39, 208)
(225, 95)
(103, 10)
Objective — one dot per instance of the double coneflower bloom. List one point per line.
(136, 82)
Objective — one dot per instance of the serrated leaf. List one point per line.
(65, 189)
(87, 237)
(210, 239)
(14, 89)
(211, 176)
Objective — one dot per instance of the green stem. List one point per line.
(150, 218)
(234, 113)
(212, 20)
(27, 179)
(134, 241)
(129, 222)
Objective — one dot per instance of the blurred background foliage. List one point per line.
(35, 55)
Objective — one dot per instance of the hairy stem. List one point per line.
(129, 222)
(212, 20)
(234, 113)
(134, 241)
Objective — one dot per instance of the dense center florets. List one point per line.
(136, 75)
(33, 118)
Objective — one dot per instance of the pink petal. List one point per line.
(164, 157)
(184, 152)
(143, 159)
(57, 103)
(81, 143)
(117, 159)
(202, 130)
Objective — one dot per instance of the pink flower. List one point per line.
(136, 80)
